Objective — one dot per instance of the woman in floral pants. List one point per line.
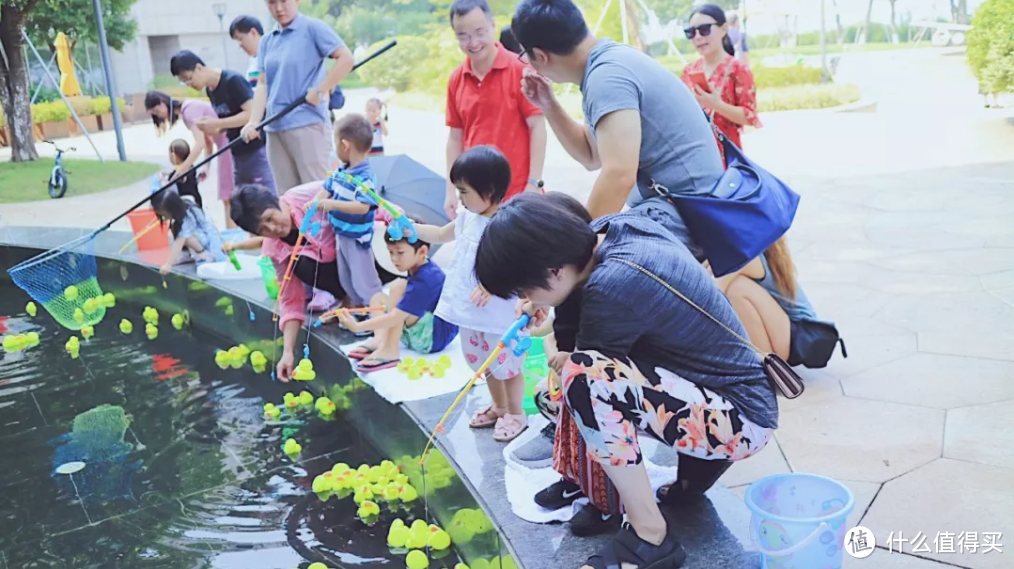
(646, 361)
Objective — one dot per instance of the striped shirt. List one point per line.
(353, 226)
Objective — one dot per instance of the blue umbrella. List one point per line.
(415, 188)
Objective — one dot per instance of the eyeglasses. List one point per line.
(480, 35)
(523, 57)
(703, 29)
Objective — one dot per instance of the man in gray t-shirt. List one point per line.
(643, 126)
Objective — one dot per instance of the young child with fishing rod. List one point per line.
(193, 233)
(482, 176)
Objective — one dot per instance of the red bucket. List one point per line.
(152, 238)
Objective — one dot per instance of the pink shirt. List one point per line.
(320, 248)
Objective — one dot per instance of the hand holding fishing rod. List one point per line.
(510, 338)
(401, 226)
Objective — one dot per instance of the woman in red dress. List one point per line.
(731, 98)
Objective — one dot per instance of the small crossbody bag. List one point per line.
(784, 379)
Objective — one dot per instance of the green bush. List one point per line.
(101, 105)
(801, 97)
(47, 94)
(53, 111)
(443, 58)
(395, 71)
(172, 87)
(82, 105)
(990, 49)
(767, 77)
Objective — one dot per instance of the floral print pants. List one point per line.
(611, 402)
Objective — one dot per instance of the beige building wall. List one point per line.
(167, 26)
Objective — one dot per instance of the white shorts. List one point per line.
(477, 346)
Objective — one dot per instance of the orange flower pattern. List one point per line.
(734, 81)
(612, 402)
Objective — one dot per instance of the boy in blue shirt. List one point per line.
(352, 211)
(409, 319)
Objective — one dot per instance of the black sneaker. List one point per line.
(590, 520)
(549, 431)
(558, 495)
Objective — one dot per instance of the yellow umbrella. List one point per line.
(68, 78)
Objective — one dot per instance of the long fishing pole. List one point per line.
(288, 109)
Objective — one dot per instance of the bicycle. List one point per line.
(58, 177)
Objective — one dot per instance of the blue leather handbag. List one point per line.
(746, 211)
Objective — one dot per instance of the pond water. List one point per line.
(144, 454)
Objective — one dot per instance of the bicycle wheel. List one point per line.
(57, 184)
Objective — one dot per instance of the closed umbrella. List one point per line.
(68, 77)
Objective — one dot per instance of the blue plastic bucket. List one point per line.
(799, 520)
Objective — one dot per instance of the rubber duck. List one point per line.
(460, 566)
(325, 406)
(33, 338)
(439, 539)
(10, 342)
(291, 401)
(151, 331)
(126, 326)
(236, 357)
(70, 293)
(291, 447)
(31, 309)
(271, 412)
(363, 469)
(368, 508)
(257, 358)
(408, 493)
(318, 566)
(305, 398)
(417, 560)
(304, 371)
(87, 332)
(91, 306)
(321, 485)
(79, 315)
(150, 315)
(398, 535)
(374, 474)
(222, 359)
(177, 321)
(109, 300)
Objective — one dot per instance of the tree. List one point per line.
(990, 50)
(866, 26)
(14, 95)
(959, 11)
(76, 18)
(894, 22)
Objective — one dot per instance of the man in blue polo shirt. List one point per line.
(291, 64)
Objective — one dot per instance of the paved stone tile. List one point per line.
(948, 496)
(855, 439)
(930, 380)
(868, 351)
(997, 345)
(820, 387)
(1004, 294)
(1000, 280)
(982, 434)
(882, 559)
(977, 311)
(975, 261)
(923, 238)
(852, 299)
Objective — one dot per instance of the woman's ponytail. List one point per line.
(727, 45)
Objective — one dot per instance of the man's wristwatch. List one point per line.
(536, 183)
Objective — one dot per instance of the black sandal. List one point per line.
(696, 476)
(627, 547)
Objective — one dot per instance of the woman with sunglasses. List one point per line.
(722, 84)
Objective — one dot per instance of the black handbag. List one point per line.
(813, 343)
(784, 379)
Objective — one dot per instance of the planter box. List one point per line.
(90, 122)
(105, 121)
(51, 130)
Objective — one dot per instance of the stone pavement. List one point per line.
(904, 238)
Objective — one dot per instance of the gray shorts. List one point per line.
(253, 168)
(357, 270)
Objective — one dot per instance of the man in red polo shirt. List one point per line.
(485, 104)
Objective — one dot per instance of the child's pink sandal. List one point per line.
(509, 427)
(485, 418)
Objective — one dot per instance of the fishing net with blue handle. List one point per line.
(65, 281)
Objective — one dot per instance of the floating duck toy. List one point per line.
(408, 493)
(150, 315)
(222, 359)
(305, 398)
(363, 493)
(108, 300)
(460, 566)
(417, 560)
(321, 485)
(91, 306)
(258, 361)
(31, 309)
(79, 315)
(236, 357)
(87, 332)
(177, 321)
(397, 536)
(125, 326)
(151, 331)
(19, 342)
(73, 346)
(391, 492)
(438, 539)
(318, 566)
(290, 400)
(33, 338)
(10, 343)
(325, 406)
(368, 508)
(291, 447)
(341, 468)
(70, 293)
(304, 371)
(271, 412)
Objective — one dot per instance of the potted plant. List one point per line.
(50, 120)
(83, 107)
(102, 109)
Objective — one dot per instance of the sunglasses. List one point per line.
(703, 29)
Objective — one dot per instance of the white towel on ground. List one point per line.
(396, 387)
(523, 483)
